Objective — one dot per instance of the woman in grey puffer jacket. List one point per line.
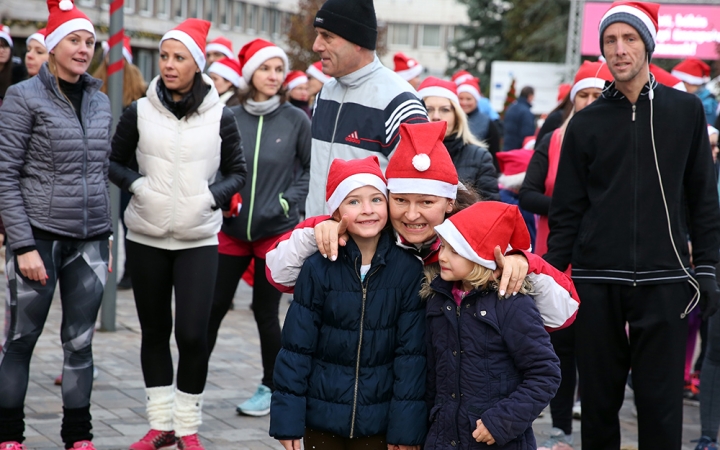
(54, 149)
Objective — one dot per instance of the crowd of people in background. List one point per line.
(454, 271)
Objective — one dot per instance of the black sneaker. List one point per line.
(125, 283)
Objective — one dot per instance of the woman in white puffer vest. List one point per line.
(181, 135)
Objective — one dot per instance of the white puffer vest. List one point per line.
(172, 204)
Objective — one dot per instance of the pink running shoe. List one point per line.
(12, 445)
(191, 442)
(87, 445)
(156, 440)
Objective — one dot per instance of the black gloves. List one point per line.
(709, 296)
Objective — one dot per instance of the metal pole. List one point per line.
(115, 92)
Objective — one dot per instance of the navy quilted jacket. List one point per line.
(488, 359)
(352, 361)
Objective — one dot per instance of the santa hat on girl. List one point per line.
(5, 34)
(435, 87)
(126, 50)
(39, 36)
(421, 164)
(192, 33)
(692, 71)
(475, 231)
(64, 19)
(564, 90)
(294, 79)
(665, 78)
(643, 16)
(470, 86)
(315, 71)
(346, 176)
(461, 76)
(227, 68)
(221, 45)
(590, 75)
(407, 67)
(254, 54)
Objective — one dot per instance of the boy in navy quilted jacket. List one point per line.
(351, 371)
(491, 367)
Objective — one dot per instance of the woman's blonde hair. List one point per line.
(134, 86)
(52, 67)
(462, 129)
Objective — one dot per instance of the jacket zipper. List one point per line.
(174, 182)
(635, 198)
(254, 177)
(332, 140)
(457, 381)
(357, 359)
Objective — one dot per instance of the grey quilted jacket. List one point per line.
(54, 172)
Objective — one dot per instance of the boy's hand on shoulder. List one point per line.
(290, 444)
(403, 447)
(481, 434)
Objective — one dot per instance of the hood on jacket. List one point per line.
(161, 98)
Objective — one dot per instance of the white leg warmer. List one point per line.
(160, 402)
(188, 413)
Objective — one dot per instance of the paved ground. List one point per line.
(235, 371)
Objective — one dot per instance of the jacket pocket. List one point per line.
(284, 205)
(474, 414)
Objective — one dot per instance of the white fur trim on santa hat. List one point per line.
(215, 47)
(190, 43)
(37, 37)
(689, 79)
(296, 82)
(317, 74)
(5, 34)
(448, 231)
(351, 183)
(422, 186)
(633, 12)
(225, 72)
(106, 49)
(470, 90)
(260, 56)
(79, 24)
(584, 84)
(463, 78)
(437, 91)
(409, 74)
(712, 130)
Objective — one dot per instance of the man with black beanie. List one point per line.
(359, 111)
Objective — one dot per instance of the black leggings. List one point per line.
(191, 272)
(561, 405)
(265, 305)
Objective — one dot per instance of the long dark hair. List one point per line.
(565, 106)
(6, 73)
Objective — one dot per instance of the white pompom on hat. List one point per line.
(346, 176)
(193, 34)
(64, 19)
(254, 54)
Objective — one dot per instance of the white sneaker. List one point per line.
(258, 404)
(577, 410)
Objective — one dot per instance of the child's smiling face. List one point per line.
(367, 212)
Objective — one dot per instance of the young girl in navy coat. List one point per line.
(491, 367)
(351, 371)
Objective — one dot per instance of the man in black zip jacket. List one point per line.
(626, 235)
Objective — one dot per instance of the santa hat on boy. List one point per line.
(475, 231)
(294, 79)
(421, 164)
(692, 71)
(643, 16)
(227, 68)
(470, 86)
(5, 34)
(315, 71)
(254, 54)
(435, 87)
(126, 50)
(64, 19)
(461, 76)
(346, 176)
(39, 36)
(221, 45)
(407, 67)
(590, 75)
(192, 33)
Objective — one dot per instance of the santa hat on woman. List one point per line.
(461, 76)
(126, 50)
(227, 68)
(39, 36)
(475, 231)
(221, 45)
(590, 75)
(64, 19)
(346, 176)
(421, 164)
(315, 71)
(5, 34)
(692, 71)
(254, 54)
(407, 67)
(470, 86)
(192, 33)
(435, 87)
(294, 79)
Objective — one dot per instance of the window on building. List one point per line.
(145, 7)
(195, 9)
(129, 6)
(278, 27)
(400, 34)
(238, 13)
(180, 9)
(431, 36)
(146, 61)
(89, 3)
(224, 13)
(210, 6)
(105, 5)
(265, 20)
(253, 11)
(163, 8)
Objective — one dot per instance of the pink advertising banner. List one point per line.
(685, 31)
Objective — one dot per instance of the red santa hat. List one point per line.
(590, 75)
(315, 71)
(192, 33)
(346, 176)
(64, 19)
(407, 67)
(471, 86)
(643, 16)
(692, 71)
(665, 78)
(254, 54)
(227, 68)
(5, 34)
(221, 45)
(421, 164)
(563, 91)
(462, 76)
(39, 36)
(475, 231)
(126, 50)
(435, 87)
(513, 166)
(294, 79)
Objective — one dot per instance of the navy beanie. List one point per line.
(353, 20)
(642, 16)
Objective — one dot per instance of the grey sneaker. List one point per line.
(557, 440)
(258, 404)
